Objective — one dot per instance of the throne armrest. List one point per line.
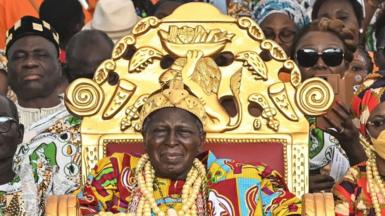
(63, 205)
(318, 204)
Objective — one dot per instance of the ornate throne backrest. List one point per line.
(265, 87)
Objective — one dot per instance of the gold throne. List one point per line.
(254, 95)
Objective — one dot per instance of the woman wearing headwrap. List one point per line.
(280, 20)
(362, 190)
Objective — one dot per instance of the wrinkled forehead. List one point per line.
(171, 114)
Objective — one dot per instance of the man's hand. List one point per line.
(320, 182)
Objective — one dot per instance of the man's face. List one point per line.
(172, 140)
(33, 67)
(11, 133)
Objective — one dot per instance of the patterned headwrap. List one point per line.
(368, 97)
(289, 7)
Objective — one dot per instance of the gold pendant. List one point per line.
(171, 212)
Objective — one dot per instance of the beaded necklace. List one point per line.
(375, 183)
(193, 185)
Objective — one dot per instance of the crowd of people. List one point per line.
(47, 44)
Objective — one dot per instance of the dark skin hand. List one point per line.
(347, 134)
(320, 182)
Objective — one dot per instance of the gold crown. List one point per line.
(174, 96)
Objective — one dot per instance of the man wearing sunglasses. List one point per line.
(11, 135)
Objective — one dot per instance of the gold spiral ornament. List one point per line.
(314, 96)
(84, 97)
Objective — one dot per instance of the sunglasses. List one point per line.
(6, 123)
(308, 57)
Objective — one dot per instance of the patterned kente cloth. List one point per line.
(233, 189)
(352, 195)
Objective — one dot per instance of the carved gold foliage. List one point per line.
(295, 74)
(121, 47)
(254, 63)
(314, 96)
(179, 40)
(145, 24)
(275, 50)
(207, 75)
(142, 58)
(132, 112)
(252, 28)
(103, 70)
(84, 97)
(268, 112)
(100, 75)
(121, 96)
(278, 94)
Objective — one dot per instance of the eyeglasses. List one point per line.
(308, 57)
(285, 35)
(6, 123)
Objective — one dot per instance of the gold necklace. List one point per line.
(376, 185)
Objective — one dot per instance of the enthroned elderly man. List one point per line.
(174, 177)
